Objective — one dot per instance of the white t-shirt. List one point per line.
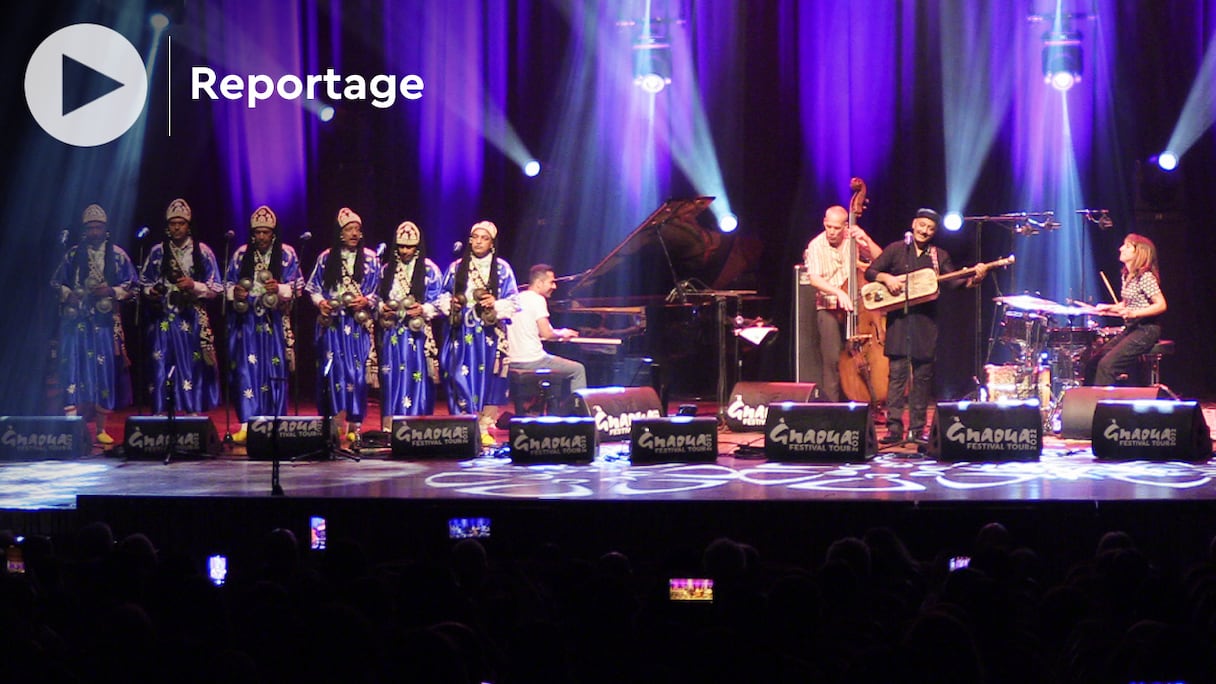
(523, 335)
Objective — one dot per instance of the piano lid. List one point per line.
(689, 245)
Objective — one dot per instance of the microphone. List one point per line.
(908, 237)
(63, 237)
(229, 235)
(456, 247)
(141, 233)
(306, 236)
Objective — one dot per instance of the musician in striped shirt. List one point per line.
(828, 269)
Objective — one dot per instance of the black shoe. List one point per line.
(890, 439)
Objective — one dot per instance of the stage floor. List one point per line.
(1066, 472)
(1062, 474)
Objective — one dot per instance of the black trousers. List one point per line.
(1122, 354)
(917, 400)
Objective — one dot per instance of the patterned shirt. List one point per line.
(1138, 293)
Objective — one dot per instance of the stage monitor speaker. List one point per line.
(550, 439)
(1077, 406)
(296, 437)
(149, 437)
(819, 432)
(436, 437)
(987, 431)
(808, 362)
(615, 408)
(747, 406)
(1151, 430)
(38, 438)
(678, 439)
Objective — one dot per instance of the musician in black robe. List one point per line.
(911, 341)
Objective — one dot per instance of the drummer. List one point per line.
(1141, 304)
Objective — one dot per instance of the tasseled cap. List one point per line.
(178, 209)
(408, 234)
(94, 214)
(264, 218)
(488, 227)
(347, 217)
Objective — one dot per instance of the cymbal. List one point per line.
(1028, 303)
(1076, 310)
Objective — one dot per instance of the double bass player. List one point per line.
(829, 267)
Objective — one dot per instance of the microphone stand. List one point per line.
(331, 451)
(276, 488)
(138, 390)
(228, 442)
(171, 404)
(909, 262)
(292, 320)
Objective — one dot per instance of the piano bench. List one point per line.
(539, 393)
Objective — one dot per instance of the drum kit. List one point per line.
(1049, 346)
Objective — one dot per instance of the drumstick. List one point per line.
(1109, 289)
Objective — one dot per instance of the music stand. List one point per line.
(331, 451)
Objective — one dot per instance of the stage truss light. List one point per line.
(159, 21)
(728, 223)
(1168, 161)
(532, 168)
(953, 221)
(1062, 59)
(651, 64)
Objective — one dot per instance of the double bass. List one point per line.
(863, 361)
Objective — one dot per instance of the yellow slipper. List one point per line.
(240, 436)
(103, 438)
(487, 440)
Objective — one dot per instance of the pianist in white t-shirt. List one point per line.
(530, 326)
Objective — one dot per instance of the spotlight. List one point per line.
(159, 21)
(1168, 161)
(1062, 59)
(651, 64)
(728, 223)
(953, 221)
(532, 168)
(326, 113)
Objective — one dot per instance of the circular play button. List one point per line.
(86, 85)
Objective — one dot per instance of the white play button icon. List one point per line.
(86, 85)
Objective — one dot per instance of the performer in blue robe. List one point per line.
(178, 277)
(479, 293)
(94, 369)
(344, 289)
(262, 280)
(409, 355)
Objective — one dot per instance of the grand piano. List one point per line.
(654, 305)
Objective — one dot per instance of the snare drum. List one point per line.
(1071, 337)
(1024, 330)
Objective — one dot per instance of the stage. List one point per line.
(226, 501)
(1067, 471)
